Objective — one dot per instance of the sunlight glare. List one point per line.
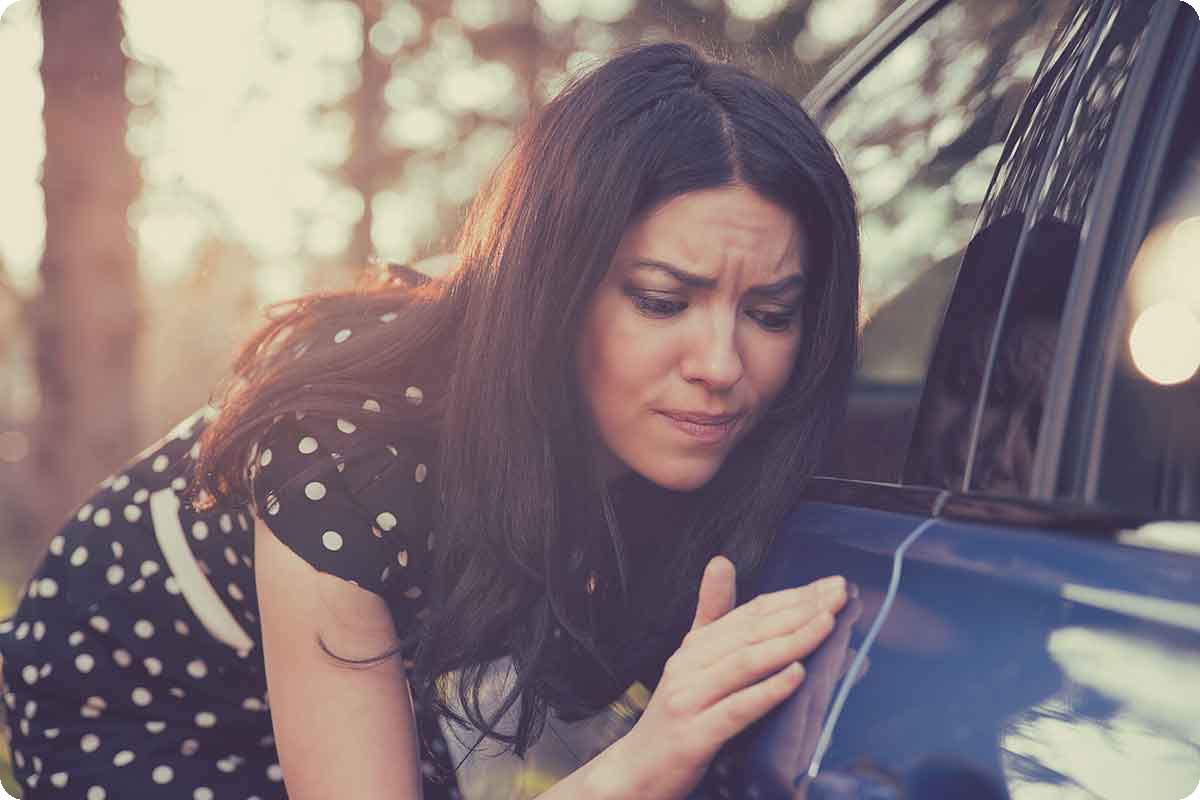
(1165, 343)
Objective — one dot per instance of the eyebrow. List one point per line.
(796, 280)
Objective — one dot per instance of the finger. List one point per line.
(749, 665)
(765, 617)
(718, 592)
(732, 715)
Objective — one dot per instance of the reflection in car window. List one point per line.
(1150, 456)
(1041, 217)
(921, 135)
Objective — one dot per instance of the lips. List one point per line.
(707, 429)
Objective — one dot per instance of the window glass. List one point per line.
(921, 136)
(1150, 451)
(1034, 218)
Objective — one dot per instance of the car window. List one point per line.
(1032, 215)
(1150, 445)
(921, 135)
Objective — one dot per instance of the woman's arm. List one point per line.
(341, 731)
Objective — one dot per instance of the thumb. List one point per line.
(718, 592)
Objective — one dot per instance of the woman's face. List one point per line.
(692, 333)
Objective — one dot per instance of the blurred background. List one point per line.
(167, 169)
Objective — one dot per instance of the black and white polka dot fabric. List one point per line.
(133, 667)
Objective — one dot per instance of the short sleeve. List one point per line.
(350, 503)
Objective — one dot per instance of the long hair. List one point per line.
(537, 558)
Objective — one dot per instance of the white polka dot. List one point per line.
(120, 483)
(231, 556)
(97, 793)
(85, 511)
(137, 585)
(84, 662)
(45, 670)
(149, 568)
(420, 473)
(402, 558)
(32, 589)
(332, 540)
(143, 628)
(118, 549)
(90, 743)
(171, 585)
(314, 490)
(156, 726)
(141, 696)
(133, 513)
(203, 793)
(226, 764)
(197, 669)
(39, 629)
(412, 592)
(31, 709)
(308, 445)
(414, 395)
(200, 530)
(122, 758)
(99, 623)
(371, 405)
(153, 666)
(194, 451)
(386, 520)
(114, 574)
(101, 518)
(275, 773)
(80, 555)
(160, 463)
(56, 545)
(272, 505)
(141, 495)
(226, 523)
(346, 426)
(252, 704)
(162, 774)
(189, 747)
(179, 484)
(206, 719)
(265, 458)
(388, 317)
(235, 592)
(341, 336)
(48, 587)
(59, 779)
(51, 733)
(22, 630)
(122, 657)
(182, 628)
(75, 639)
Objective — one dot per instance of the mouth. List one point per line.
(704, 428)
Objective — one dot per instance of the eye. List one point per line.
(655, 306)
(774, 321)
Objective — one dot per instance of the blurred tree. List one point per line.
(87, 318)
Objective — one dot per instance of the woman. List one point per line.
(534, 463)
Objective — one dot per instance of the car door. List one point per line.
(994, 587)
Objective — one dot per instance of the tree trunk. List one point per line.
(88, 316)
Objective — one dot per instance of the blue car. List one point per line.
(1016, 493)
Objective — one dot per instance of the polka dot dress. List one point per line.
(133, 665)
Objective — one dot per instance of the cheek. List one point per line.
(772, 365)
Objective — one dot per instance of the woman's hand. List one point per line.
(734, 665)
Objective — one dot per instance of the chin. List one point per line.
(681, 477)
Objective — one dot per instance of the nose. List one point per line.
(713, 357)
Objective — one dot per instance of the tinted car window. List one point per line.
(1150, 450)
(1033, 215)
(921, 135)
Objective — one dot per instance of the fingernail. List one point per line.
(831, 585)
